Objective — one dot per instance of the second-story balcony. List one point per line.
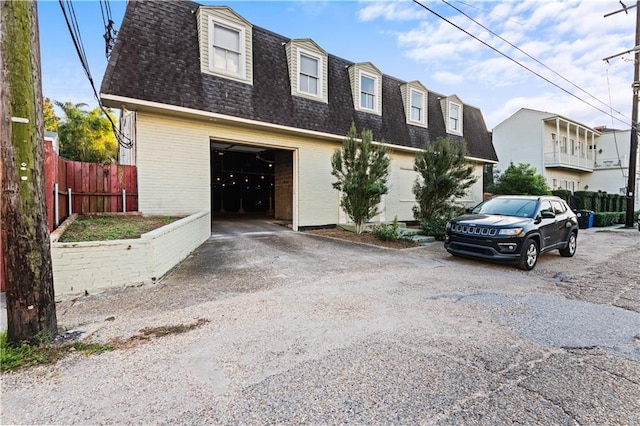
(612, 163)
(567, 161)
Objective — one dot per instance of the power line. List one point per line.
(615, 140)
(74, 30)
(518, 63)
(608, 105)
(110, 33)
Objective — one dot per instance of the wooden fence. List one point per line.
(78, 187)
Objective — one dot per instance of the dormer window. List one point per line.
(309, 78)
(417, 101)
(414, 99)
(454, 117)
(366, 86)
(226, 45)
(225, 40)
(367, 92)
(452, 108)
(308, 69)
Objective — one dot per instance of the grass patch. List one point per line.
(103, 228)
(18, 356)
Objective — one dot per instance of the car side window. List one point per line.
(558, 207)
(545, 206)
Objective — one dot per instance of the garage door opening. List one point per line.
(251, 181)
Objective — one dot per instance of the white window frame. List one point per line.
(242, 60)
(458, 129)
(422, 108)
(375, 79)
(300, 53)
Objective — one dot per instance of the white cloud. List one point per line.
(570, 37)
(448, 77)
(390, 11)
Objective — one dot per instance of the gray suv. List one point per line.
(514, 228)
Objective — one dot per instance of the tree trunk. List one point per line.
(25, 236)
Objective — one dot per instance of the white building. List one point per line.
(569, 154)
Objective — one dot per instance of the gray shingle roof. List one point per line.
(156, 58)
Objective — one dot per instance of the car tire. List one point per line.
(572, 245)
(529, 255)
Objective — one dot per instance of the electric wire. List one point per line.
(74, 30)
(536, 60)
(633, 126)
(615, 140)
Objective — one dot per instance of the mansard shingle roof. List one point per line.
(156, 58)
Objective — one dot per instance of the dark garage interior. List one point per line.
(250, 180)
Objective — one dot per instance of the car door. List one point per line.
(548, 226)
(561, 220)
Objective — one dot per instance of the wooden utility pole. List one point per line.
(633, 149)
(633, 145)
(26, 248)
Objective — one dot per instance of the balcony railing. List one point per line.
(564, 160)
(611, 163)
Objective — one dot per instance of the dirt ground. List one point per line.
(363, 238)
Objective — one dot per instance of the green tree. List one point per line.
(86, 135)
(444, 176)
(362, 170)
(51, 120)
(520, 179)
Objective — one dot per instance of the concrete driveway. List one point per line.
(303, 329)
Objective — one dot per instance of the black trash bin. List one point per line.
(585, 218)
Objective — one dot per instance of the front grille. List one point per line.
(473, 230)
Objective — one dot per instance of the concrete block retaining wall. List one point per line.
(99, 265)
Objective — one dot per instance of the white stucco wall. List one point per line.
(174, 169)
(519, 139)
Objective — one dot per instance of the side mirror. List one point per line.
(546, 214)
(468, 210)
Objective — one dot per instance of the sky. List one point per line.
(565, 43)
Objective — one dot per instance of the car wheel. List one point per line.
(529, 255)
(572, 244)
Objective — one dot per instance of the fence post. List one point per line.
(69, 201)
(56, 213)
(124, 201)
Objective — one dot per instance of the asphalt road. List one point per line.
(304, 329)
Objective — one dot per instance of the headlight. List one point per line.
(512, 232)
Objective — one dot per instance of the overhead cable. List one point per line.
(536, 60)
(74, 30)
(518, 63)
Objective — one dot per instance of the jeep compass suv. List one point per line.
(514, 228)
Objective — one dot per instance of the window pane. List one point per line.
(219, 59)
(453, 111)
(233, 62)
(308, 65)
(416, 114)
(225, 60)
(416, 99)
(226, 38)
(367, 85)
(313, 85)
(308, 84)
(366, 100)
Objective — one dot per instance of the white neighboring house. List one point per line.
(55, 143)
(569, 154)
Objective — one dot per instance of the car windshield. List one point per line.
(507, 207)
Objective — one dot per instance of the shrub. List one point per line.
(435, 228)
(608, 218)
(387, 232)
